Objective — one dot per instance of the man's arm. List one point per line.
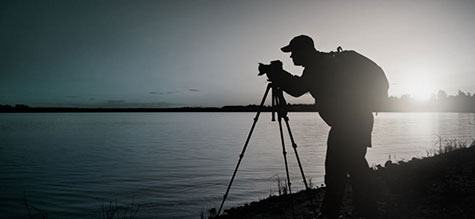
(294, 85)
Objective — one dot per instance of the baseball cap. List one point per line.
(299, 43)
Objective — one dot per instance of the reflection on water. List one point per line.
(177, 164)
(407, 135)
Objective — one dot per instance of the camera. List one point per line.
(274, 66)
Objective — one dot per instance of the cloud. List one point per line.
(194, 90)
(115, 101)
(163, 93)
(125, 104)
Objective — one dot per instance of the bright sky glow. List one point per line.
(422, 85)
(423, 90)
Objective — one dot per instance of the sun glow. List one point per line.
(421, 88)
(421, 94)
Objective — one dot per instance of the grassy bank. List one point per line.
(440, 186)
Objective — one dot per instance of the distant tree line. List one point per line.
(442, 102)
(16, 108)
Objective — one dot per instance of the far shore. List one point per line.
(248, 108)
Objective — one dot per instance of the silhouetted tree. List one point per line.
(6, 108)
(461, 94)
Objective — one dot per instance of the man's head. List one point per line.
(301, 49)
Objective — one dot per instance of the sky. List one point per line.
(206, 53)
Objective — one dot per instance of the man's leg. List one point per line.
(362, 182)
(335, 175)
(360, 173)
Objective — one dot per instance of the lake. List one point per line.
(176, 165)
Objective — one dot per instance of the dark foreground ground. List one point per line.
(442, 186)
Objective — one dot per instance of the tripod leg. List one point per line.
(245, 146)
(294, 145)
(284, 152)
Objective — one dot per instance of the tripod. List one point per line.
(278, 103)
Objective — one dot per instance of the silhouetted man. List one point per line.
(350, 119)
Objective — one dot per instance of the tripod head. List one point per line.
(279, 104)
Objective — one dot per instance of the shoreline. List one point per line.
(439, 186)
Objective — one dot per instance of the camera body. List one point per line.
(269, 69)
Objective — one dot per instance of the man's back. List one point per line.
(337, 91)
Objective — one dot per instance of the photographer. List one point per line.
(348, 113)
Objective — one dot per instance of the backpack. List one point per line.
(362, 80)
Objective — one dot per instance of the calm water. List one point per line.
(176, 165)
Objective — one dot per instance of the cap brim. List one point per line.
(286, 49)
